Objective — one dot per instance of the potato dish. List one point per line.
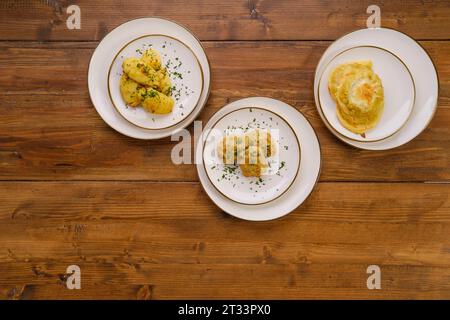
(146, 82)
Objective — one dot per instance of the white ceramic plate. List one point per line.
(185, 74)
(418, 63)
(398, 85)
(104, 55)
(303, 184)
(283, 164)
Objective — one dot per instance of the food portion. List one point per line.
(359, 95)
(152, 59)
(130, 91)
(250, 151)
(141, 73)
(156, 102)
(145, 82)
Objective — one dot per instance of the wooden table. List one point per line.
(74, 191)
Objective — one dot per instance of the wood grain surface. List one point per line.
(225, 20)
(74, 191)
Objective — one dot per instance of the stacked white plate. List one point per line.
(294, 167)
(410, 84)
(183, 56)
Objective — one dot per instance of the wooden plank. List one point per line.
(403, 201)
(50, 129)
(125, 238)
(153, 281)
(238, 67)
(224, 20)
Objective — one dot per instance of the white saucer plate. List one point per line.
(184, 71)
(304, 181)
(398, 85)
(422, 71)
(283, 164)
(107, 50)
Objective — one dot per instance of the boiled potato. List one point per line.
(139, 72)
(130, 91)
(156, 102)
(152, 59)
(165, 86)
(145, 82)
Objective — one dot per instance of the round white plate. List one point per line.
(303, 184)
(185, 74)
(398, 85)
(419, 64)
(104, 55)
(283, 167)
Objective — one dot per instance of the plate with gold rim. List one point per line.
(183, 69)
(251, 130)
(105, 54)
(304, 182)
(397, 86)
(422, 71)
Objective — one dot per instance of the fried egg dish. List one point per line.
(250, 151)
(146, 82)
(359, 96)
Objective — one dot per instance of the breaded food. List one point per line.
(359, 95)
(227, 149)
(252, 170)
(250, 151)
